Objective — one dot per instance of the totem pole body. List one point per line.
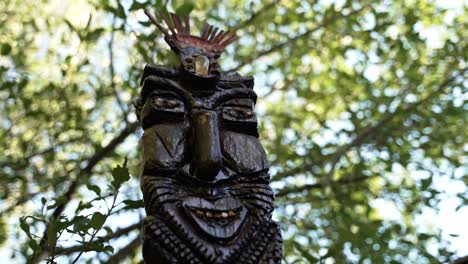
(204, 172)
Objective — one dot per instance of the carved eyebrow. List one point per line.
(243, 102)
(154, 84)
(165, 93)
(236, 93)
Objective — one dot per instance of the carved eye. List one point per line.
(167, 104)
(238, 114)
(240, 119)
(189, 60)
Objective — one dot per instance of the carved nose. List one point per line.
(207, 158)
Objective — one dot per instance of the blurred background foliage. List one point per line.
(361, 107)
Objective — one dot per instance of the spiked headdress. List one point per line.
(198, 54)
(212, 40)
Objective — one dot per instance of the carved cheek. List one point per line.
(163, 146)
(244, 152)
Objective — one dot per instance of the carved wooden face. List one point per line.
(205, 173)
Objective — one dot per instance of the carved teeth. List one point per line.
(198, 212)
(216, 215)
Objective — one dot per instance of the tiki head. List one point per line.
(205, 174)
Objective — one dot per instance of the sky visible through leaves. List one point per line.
(361, 107)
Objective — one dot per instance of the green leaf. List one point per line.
(108, 230)
(90, 19)
(424, 236)
(133, 204)
(58, 201)
(120, 11)
(70, 25)
(5, 49)
(80, 224)
(109, 249)
(426, 183)
(97, 220)
(94, 188)
(93, 35)
(146, 23)
(137, 6)
(120, 174)
(83, 205)
(25, 226)
(33, 244)
(185, 9)
(305, 252)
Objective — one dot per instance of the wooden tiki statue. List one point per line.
(205, 178)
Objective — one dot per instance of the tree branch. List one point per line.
(118, 233)
(125, 251)
(291, 41)
(85, 172)
(98, 156)
(41, 152)
(112, 70)
(257, 14)
(289, 190)
(292, 172)
(19, 201)
(463, 260)
(373, 130)
(360, 139)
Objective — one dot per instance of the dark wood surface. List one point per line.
(205, 176)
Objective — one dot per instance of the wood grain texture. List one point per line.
(205, 179)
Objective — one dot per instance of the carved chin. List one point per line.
(221, 219)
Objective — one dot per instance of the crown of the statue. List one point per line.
(212, 40)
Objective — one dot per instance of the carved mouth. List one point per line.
(220, 219)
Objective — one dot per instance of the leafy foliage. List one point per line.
(361, 108)
(82, 224)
